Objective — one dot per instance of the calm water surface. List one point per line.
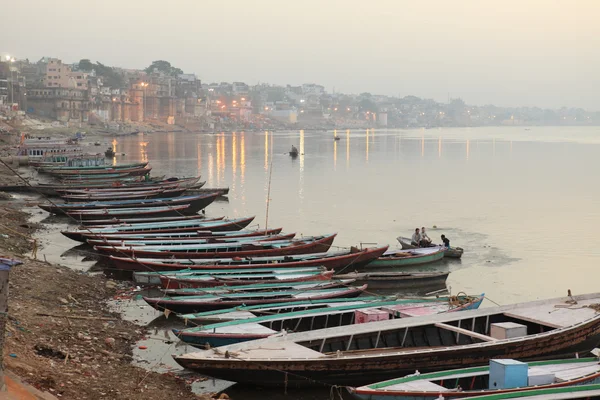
(523, 203)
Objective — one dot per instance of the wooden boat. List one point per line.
(117, 190)
(246, 312)
(187, 304)
(239, 277)
(587, 392)
(150, 194)
(98, 177)
(104, 223)
(103, 167)
(261, 286)
(196, 203)
(86, 173)
(187, 241)
(399, 280)
(476, 381)
(339, 260)
(404, 258)
(315, 244)
(453, 252)
(383, 350)
(222, 191)
(153, 278)
(120, 215)
(346, 315)
(82, 235)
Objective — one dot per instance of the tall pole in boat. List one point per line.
(268, 197)
(269, 188)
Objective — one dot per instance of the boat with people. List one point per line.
(385, 350)
(396, 258)
(452, 252)
(188, 304)
(347, 315)
(473, 382)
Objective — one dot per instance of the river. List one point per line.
(520, 201)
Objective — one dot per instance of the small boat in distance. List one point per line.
(109, 152)
(294, 152)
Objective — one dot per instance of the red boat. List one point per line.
(241, 249)
(339, 261)
(149, 194)
(139, 243)
(171, 282)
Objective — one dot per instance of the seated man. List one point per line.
(446, 241)
(425, 240)
(415, 240)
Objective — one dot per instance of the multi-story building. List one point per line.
(61, 75)
(63, 104)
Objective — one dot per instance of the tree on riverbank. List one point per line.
(163, 66)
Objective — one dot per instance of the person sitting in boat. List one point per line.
(425, 240)
(446, 241)
(294, 150)
(415, 240)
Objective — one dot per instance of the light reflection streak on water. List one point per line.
(335, 154)
(233, 159)
(218, 160)
(440, 147)
(199, 157)
(114, 149)
(266, 150)
(301, 185)
(221, 165)
(211, 169)
(367, 148)
(242, 168)
(347, 148)
(468, 148)
(422, 146)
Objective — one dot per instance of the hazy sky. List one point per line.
(510, 52)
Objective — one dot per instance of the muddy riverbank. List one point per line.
(61, 336)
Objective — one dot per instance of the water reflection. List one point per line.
(422, 146)
(233, 159)
(468, 148)
(440, 147)
(199, 156)
(221, 164)
(347, 148)
(367, 146)
(242, 157)
(114, 149)
(143, 152)
(266, 150)
(335, 154)
(301, 174)
(211, 169)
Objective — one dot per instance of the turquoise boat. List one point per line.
(259, 287)
(480, 383)
(92, 167)
(226, 333)
(561, 393)
(246, 312)
(403, 258)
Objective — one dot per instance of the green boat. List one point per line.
(245, 312)
(226, 333)
(563, 393)
(93, 167)
(502, 379)
(404, 258)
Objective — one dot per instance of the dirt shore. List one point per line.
(60, 336)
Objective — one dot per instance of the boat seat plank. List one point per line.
(558, 317)
(419, 385)
(574, 373)
(529, 319)
(465, 332)
(245, 328)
